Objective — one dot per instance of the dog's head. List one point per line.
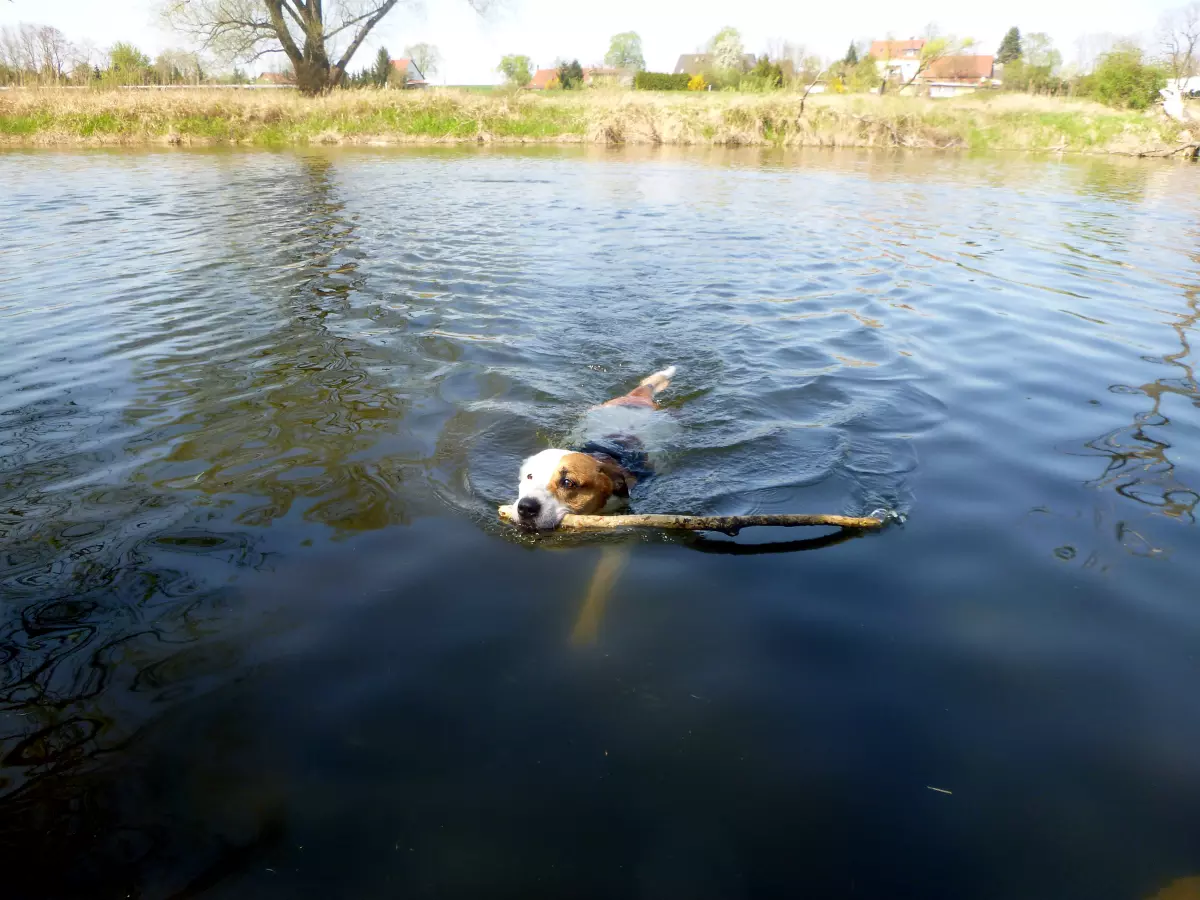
(557, 482)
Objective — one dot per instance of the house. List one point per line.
(277, 78)
(952, 76)
(940, 90)
(407, 69)
(949, 76)
(978, 69)
(541, 79)
(898, 60)
(701, 63)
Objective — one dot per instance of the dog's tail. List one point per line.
(659, 381)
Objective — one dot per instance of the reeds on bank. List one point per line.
(283, 118)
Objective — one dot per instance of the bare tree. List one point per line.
(54, 49)
(782, 50)
(84, 52)
(311, 33)
(1179, 37)
(426, 57)
(179, 67)
(31, 59)
(83, 57)
(10, 51)
(1090, 47)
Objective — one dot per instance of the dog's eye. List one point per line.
(568, 483)
(530, 475)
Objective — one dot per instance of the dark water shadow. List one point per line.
(733, 548)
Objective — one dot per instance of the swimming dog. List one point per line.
(598, 476)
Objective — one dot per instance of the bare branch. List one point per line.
(308, 31)
(348, 23)
(1179, 36)
(296, 15)
(384, 8)
(281, 32)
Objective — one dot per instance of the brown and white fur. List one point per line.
(556, 482)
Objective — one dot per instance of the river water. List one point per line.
(261, 635)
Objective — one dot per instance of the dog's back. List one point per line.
(629, 428)
(643, 395)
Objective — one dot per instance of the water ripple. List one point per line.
(213, 364)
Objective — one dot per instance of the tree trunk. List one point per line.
(312, 76)
(313, 72)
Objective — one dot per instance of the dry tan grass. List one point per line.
(978, 121)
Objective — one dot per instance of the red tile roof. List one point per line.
(405, 67)
(542, 78)
(960, 68)
(881, 50)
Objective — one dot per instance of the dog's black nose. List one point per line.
(528, 508)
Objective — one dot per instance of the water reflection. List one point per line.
(319, 346)
(1138, 466)
(1112, 179)
(289, 422)
(117, 589)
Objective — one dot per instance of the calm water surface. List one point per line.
(260, 635)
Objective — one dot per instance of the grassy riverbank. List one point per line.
(282, 118)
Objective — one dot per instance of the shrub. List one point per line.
(751, 83)
(864, 76)
(661, 81)
(768, 73)
(1019, 75)
(516, 70)
(570, 75)
(697, 83)
(1124, 79)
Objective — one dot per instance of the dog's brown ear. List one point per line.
(621, 480)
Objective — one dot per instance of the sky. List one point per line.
(545, 30)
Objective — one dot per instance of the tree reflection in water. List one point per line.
(1138, 466)
(292, 423)
(123, 590)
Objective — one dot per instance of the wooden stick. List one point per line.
(724, 524)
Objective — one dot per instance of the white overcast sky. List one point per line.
(471, 46)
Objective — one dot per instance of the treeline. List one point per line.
(41, 55)
(1123, 75)
(385, 72)
(1120, 74)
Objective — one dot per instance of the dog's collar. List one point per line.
(624, 452)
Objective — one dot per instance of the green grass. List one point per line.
(26, 125)
(274, 119)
